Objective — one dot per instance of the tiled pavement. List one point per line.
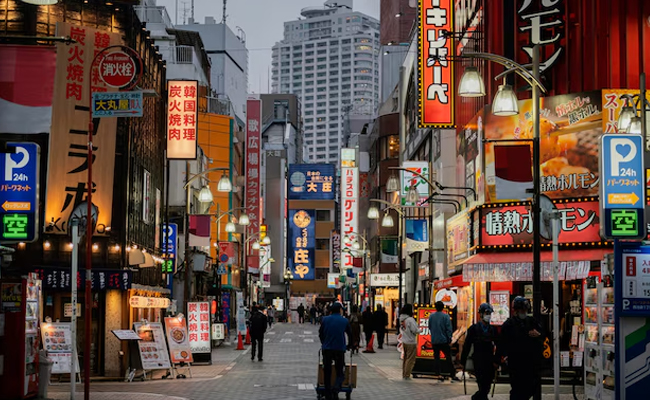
(287, 372)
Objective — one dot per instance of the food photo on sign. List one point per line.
(448, 297)
(178, 339)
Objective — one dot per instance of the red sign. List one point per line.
(436, 85)
(512, 225)
(252, 193)
(424, 347)
(227, 248)
(117, 69)
(182, 119)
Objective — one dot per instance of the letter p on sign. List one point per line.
(622, 151)
(11, 164)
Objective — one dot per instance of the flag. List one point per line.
(513, 171)
(199, 230)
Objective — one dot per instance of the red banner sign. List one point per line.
(253, 144)
(512, 225)
(436, 70)
(424, 347)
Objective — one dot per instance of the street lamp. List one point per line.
(266, 241)
(373, 213)
(392, 185)
(224, 184)
(230, 227)
(387, 221)
(412, 195)
(256, 245)
(471, 83)
(505, 102)
(357, 247)
(243, 220)
(205, 195)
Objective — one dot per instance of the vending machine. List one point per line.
(19, 338)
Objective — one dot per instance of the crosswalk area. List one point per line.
(298, 336)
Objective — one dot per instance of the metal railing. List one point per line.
(153, 15)
(180, 55)
(218, 105)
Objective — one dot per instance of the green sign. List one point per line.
(15, 226)
(168, 266)
(624, 223)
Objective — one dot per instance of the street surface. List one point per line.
(288, 372)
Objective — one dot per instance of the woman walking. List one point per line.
(409, 329)
(355, 324)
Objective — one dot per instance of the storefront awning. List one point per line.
(546, 256)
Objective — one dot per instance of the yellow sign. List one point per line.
(16, 206)
(623, 198)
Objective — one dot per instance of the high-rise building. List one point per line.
(329, 58)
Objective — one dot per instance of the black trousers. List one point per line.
(338, 358)
(257, 342)
(368, 336)
(381, 334)
(449, 365)
(301, 319)
(523, 381)
(484, 378)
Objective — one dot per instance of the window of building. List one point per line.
(334, 110)
(320, 104)
(321, 81)
(334, 58)
(322, 141)
(321, 134)
(334, 65)
(322, 244)
(333, 156)
(320, 157)
(334, 126)
(321, 273)
(320, 148)
(388, 147)
(334, 80)
(309, 46)
(321, 97)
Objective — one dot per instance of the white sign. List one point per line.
(350, 213)
(410, 179)
(333, 280)
(384, 280)
(67, 310)
(148, 302)
(57, 342)
(241, 314)
(152, 345)
(218, 332)
(448, 297)
(278, 304)
(198, 326)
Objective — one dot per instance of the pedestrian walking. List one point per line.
(312, 314)
(301, 313)
(440, 329)
(355, 325)
(409, 329)
(481, 341)
(270, 314)
(367, 321)
(380, 321)
(257, 329)
(332, 337)
(521, 343)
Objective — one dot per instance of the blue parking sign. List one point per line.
(19, 184)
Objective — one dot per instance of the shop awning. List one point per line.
(546, 256)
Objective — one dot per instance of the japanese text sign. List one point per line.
(117, 69)
(198, 326)
(613, 104)
(182, 120)
(178, 339)
(19, 186)
(170, 235)
(633, 287)
(349, 213)
(512, 224)
(459, 231)
(302, 244)
(542, 23)
(311, 182)
(424, 347)
(117, 104)
(410, 179)
(335, 248)
(60, 279)
(436, 83)
(68, 163)
(253, 190)
(622, 197)
(152, 345)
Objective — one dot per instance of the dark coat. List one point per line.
(258, 323)
(484, 341)
(522, 350)
(366, 320)
(355, 325)
(380, 320)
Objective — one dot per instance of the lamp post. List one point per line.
(505, 104)
(288, 276)
(387, 222)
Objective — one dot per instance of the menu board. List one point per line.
(424, 347)
(177, 337)
(198, 326)
(57, 341)
(152, 345)
(499, 302)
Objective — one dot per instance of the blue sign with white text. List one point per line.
(19, 184)
(621, 172)
(170, 249)
(302, 244)
(311, 182)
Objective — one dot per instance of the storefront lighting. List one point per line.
(392, 185)
(205, 195)
(373, 213)
(70, 245)
(471, 83)
(266, 240)
(625, 118)
(256, 245)
(244, 220)
(505, 102)
(412, 195)
(387, 221)
(635, 126)
(230, 227)
(21, 245)
(95, 247)
(224, 184)
(47, 245)
(116, 247)
(41, 2)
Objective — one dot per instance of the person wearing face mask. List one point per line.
(521, 344)
(482, 337)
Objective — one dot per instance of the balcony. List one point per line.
(220, 105)
(184, 63)
(157, 19)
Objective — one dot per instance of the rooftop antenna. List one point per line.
(223, 18)
(184, 3)
(192, 11)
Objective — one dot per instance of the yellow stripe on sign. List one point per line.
(622, 198)
(17, 206)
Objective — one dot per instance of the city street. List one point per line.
(287, 372)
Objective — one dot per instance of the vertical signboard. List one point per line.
(19, 187)
(170, 234)
(410, 179)
(349, 212)
(302, 244)
(335, 250)
(198, 326)
(436, 83)
(622, 191)
(177, 337)
(252, 191)
(182, 119)
(68, 165)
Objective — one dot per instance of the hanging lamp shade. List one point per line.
(505, 102)
(471, 83)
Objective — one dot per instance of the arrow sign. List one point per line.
(623, 198)
(16, 206)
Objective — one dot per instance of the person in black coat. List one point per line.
(258, 322)
(366, 321)
(380, 321)
(521, 343)
(481, 338)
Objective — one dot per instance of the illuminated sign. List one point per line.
(182, 120)
(436, 83)
(117, 104)
(252, 188)
(170, 233)
(311, 182)
(19, 183)
(622, 223)
(198, 326)
(302, 244)
(349, 213)
(410, 179)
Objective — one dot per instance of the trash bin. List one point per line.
(44, 372)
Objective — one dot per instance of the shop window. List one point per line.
(389, 147)
(323, 215)
(322, 244)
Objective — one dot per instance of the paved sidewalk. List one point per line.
(112, 395)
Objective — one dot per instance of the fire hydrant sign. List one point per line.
(117, 69)
(198, 326)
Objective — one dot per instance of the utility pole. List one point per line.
(224, 16)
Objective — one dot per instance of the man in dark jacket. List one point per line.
(441, 335)
(258, 322)
(301, 313)
(481, 339)
(332, 337)
(366, 321)
(380, 320)
(521, 342)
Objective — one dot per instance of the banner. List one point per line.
(152, 345)
(389, 251)
(302, 244)
(570, 128)
(252, 190)
(68, 167)
(182, 120)
(410, 179)
(424, 347)
(178, 339)
(349, 212)
(312, 182)
(335, 249)
(469, 162)
(417, 235)
(458, 237)
(57, 342)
